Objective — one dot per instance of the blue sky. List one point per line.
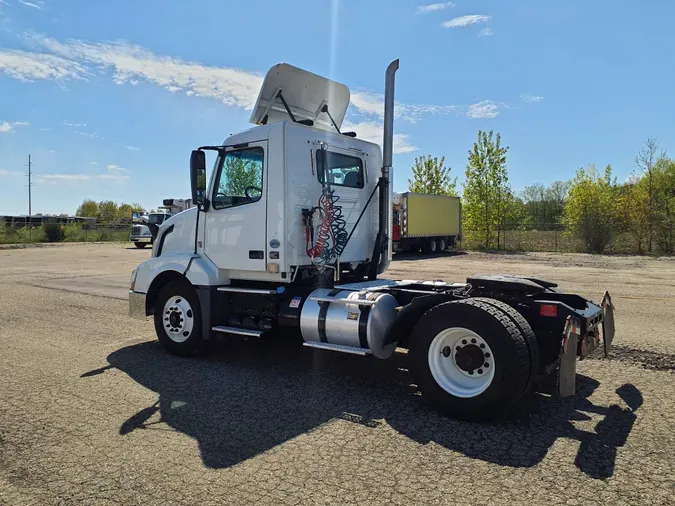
(110, 97)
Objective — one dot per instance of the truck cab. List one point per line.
(144, 226)
(289, 235)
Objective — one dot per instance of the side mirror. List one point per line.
(198, 178)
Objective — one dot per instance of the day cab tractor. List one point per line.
(287, 242)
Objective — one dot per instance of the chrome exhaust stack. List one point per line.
(382, 251)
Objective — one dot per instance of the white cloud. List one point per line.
(373, 104)
(53, 151)
(373, 132)
(21, 123)
(45, 129)
(134, 63)
(90, 135)
(526, 97)
(27, 66)
(93, 163)
(132, 148)
(463, 21)
(486, 32)
(484, 109)
(66, 177)
(82, 177)
(71, 124)
(110, 177)
(30, 4)
(6, 127)
(9, 173)
(424, 9)
(115, 169)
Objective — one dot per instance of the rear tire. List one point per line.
(445, 347)
(433, 246)
(140, 245)
(178, 318)
(442, 245)
(525, 330)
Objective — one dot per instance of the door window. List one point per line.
(339, 170)
(240, 178)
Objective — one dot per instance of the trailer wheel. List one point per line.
(469, 359)
(140, 245)
(178, 318)
(442, 245)
(432, 246)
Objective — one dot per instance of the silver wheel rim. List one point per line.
(461, 380)
(441, 245)
(432, 246)
(178, 319)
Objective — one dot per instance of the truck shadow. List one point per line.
(248, 397)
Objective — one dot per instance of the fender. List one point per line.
(197, 269)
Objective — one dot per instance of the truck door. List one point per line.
(235, 224)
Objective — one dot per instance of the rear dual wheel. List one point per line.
(470, 359)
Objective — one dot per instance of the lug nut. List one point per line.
(463, 341)
(487, 355)
(486, 365)
(480, 371)
(482, 345)
(473, 341)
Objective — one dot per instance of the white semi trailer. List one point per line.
(287, 242)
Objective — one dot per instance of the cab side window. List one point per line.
(338, 169)
(240, 178)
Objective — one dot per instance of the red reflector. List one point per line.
(548, 310)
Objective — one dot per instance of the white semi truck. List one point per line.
(145, 226)
(290, 236)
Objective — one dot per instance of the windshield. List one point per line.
(157, 219)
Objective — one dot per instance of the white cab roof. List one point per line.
(304, 92)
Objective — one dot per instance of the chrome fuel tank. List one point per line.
(349, 318)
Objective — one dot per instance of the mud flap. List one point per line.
(567, 372)
(607, 322)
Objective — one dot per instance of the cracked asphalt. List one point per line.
(92, 411)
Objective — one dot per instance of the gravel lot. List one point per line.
(92, 411)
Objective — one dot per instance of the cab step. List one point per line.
(337, 347)
(237, 331)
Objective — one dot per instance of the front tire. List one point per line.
(469, 359)
(178, 321)
(140, 245)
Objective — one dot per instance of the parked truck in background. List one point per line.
(290, 235)
(430, 223)
(145, 226)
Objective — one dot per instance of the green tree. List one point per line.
(431, 176)
(239, 174)
(124, 211)
(486, 189)
(107, 212)
(645, 161)
(590, 212)
(664, 204)
(88, 209)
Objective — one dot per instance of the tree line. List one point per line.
(593, 207)
(108, 212)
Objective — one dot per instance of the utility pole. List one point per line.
(30, 201)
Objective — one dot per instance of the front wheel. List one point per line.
(140, 245)
(178, 320)
(469, 359)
